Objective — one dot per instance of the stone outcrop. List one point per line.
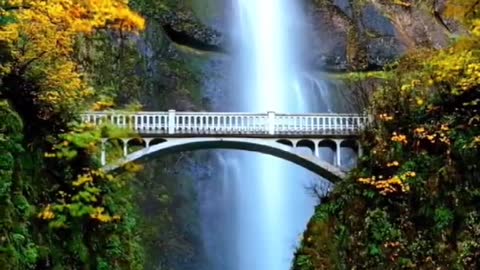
(347, 35)
(342, 35)
(417, 23)
(366, 35)
(183, 27)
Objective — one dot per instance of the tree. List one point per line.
(413, 200)
(38, 37)
(45, 86)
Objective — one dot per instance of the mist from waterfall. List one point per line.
(259, 206)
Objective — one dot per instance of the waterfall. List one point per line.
(273, 209)
(265, 201)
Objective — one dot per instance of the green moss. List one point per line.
(356, 77)
(418, 214)
(206, 10)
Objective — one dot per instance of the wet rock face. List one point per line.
(185, 28)
(365, 35)
(346, 37)
(327, 39)
(382, 45)
(341, 34)
(415, 23)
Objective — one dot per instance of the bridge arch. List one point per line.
(282, 135)
(285, 142)
(350, 152)
(270, 147)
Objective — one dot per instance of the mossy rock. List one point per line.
(206, 10)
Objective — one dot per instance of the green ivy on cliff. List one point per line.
(58, 210)
(414, 200)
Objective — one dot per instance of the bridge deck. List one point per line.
(198, 124)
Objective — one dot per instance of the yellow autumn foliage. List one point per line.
(47, 213)
(82, 180)
(99, 215)
(394, 184)
(40, 39)
(462, 10)
(400, 138)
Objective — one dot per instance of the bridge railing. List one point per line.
(205, 123)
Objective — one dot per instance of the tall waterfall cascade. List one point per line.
(260, 205)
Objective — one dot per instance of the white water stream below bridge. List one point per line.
(259, 207)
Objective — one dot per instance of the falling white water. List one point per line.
(272, 204)
(265, 201)
(264, 33)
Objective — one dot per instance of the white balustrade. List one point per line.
(246, 124)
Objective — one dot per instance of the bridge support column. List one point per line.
(171, 121)
(125, 147)
(103, 154)
(271, 123)
(147, 142)
(360, 150)
(316, 151)
(339, 148)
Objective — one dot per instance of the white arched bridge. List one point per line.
(280, 135)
